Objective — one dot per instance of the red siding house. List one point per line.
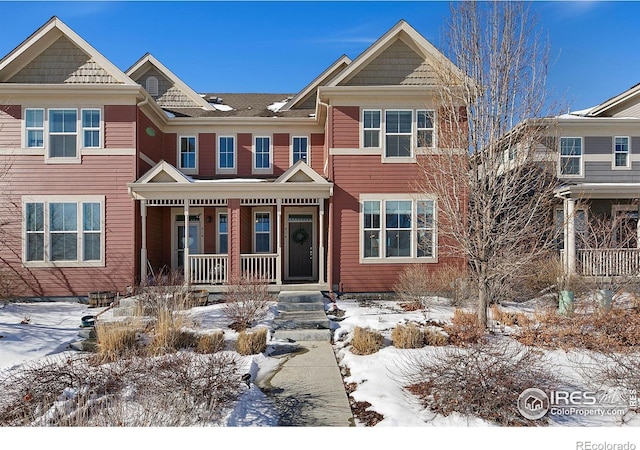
(108, 175)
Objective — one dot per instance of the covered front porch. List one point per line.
(216, 231)
(602, 240)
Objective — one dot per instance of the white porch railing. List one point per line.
(208, 269)
(261, 266)
(609, 262)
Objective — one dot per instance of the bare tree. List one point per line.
(494, 187)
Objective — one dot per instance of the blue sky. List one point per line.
(279, 47)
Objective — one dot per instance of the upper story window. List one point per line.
(425, 128)
(226, 153)
(63, 131)
(398, 133)
(300, 149)
(187, 156)
(34, 127)
(571, 156)
(371, 123)
(621, 152)
(151, 86)
(262, 153)
(91, 128)
(63, 231)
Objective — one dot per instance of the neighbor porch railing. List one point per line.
(260, 266)
(208, 269)
(608, 262)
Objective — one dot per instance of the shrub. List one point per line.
(407, 336)
(210, 343)
(247, 301)
(181, 389)
(483, 379)
(365, 341)
(165, 291)
(507, 318)
(588, 327)
(252, 342)
(419, 284)
(464, 328)
(168, 333)
(116, 340)
(435, 338)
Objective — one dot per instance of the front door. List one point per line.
(300, 243)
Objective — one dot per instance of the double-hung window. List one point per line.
(226, 153)
(63, 232)
(425, 128)
(91, 128)
(223, 233)
(262, 153)
(396, 229)
(262, 232)
(300, 149)
(398, 133)
(371, 128)
(63, 133)
(570, 156)
(187, 156)
(621, 152)
(34, 127)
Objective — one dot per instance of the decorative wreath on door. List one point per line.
(300, 236)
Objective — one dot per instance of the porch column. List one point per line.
(321, 243)
(279, 241)
(185, 245)
(570, 236)
(234, 268)
(143, 247)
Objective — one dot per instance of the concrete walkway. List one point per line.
(307, 389)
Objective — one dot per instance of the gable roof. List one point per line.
(300, 172)
(329, 73)
(163, 172)
(608, 106)
(52, 32)
(148, 61)
(407, 35)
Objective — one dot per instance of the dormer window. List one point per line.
(152, 86)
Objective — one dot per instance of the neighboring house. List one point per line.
(599, 168)
(115, 175)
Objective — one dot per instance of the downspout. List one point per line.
(143, 207)
(330, 226)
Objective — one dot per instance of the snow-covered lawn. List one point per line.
(51, 327)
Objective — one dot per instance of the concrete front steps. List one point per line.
(302, 317)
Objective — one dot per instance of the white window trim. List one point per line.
(227, 170)
(151, 85)
(25, 137)
(413, 259)
(577, 209)
(579, 175)
(434, 137)
(363, 129)
(188, 170)
(62, 159)
(308, 149)
(262, 170)
(218, 233)
(614, 153)
(99, 129)
(255, 233)
(78, 200)
(399, 159)
(617, 209)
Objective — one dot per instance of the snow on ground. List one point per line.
(51, 327)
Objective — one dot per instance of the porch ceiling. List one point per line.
(599, 191)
